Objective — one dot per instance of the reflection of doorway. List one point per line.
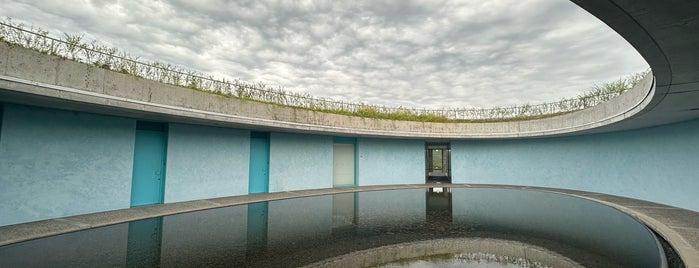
(437, 159)
(344, 214)
(439, 206)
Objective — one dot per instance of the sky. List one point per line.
(420, 54)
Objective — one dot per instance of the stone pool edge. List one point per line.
(676, 225)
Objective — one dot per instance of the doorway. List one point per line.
(259, 163)
(148, 177)
(344, 154)
(438, 163)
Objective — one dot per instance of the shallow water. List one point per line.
(303, 231)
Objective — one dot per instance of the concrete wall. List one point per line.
(206, 162)
(657, 164)
(90, 88)
(57, 163)
(298, 161)
(389, 161)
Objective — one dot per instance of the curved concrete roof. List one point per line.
(666, 33)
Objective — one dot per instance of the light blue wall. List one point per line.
(298, 161)
(389, 161)
(56, 163)
(206, 162)
(657, 164)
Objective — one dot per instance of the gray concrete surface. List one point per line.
(494, 247)
(678, 226)
(664, 32)
(37, 79)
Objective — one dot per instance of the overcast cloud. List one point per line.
(412, 53)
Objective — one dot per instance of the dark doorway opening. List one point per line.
(438, 163)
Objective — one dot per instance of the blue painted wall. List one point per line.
(657, 164)
(56, 163)
(206, 162)
(300, 161)
(390, 161)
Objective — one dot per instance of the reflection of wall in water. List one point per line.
(299, 219)
(553, 216)
(63, 251)
(213, 231)
(403, 207)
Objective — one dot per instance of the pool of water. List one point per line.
(391, 228)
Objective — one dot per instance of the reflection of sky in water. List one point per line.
(300, 231)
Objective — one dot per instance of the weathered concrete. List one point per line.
(663, 32)
(39, 79)
(411, 250)
(677, 226)
(666, 34)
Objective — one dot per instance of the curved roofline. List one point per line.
(29, 77)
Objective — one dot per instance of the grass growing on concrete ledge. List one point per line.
(73, 47)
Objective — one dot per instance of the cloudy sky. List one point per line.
(470, 53)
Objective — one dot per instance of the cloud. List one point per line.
(399, 53)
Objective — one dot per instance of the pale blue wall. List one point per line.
(658, 164)
(299, 161)
(206, 162)
(390, 161)
(56, 163)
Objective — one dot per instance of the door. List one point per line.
(148, 179)
(343, 164)
(259, 163)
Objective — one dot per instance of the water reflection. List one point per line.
(438, 205)
(145, 239)
(296, 232)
